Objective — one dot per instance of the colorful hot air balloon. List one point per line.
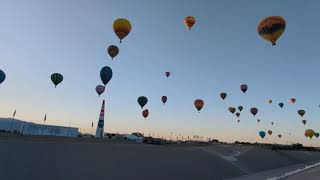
(100, 89)
(113, 51)
(232, 109)
(270, 132)
(56, 78)
(145, 113)
(309, 133)
(164, 99)
(244, 88)
(223, 95)
(301, 112)
(121, 27)
(2, 76)
(240, 108)
(189, 21)
(237, 114)
(106, 74)
(142, 100)
(168, 73)
(271, 28)
(262, 134)
(304, 121)
(292, 100)
(199, 103)
(316, 135)
(281, 105)
(254, 111)
(279, 135)
(270, 101)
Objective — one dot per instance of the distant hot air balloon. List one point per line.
(142, 100)
(262, 134)
(199, 103)
(189, 21)
(244, 88)
(237, 114)
(240, 108)
(113, 51)
(164, 99)
(232, 109)
(281, 105)
(121, 27)
(168, 73)
(292, 100)
(145, 113)
(271, 28)
(2, 76)
(100, 89)
(238, 120)
(270, 101)
(309, 133)
(258, 120)
(106, 74)
(271, 123)
(304, 121)
(316, 135)
(301, 112)
(270, 132)
(254, 111)
(279, 135)
(223, 95)
(56, 78)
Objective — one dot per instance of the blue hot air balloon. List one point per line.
(106, 74)
(262, 134)
(2, 76)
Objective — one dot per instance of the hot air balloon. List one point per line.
(168, 73)
(100, 89)
(232, 109)
(145, 113)
(292, 100)
(271, 123)
(199, 104)
(223, 95)
(281, 105)
(270, 101)
(105, 74)
(270, 132)
(142, 100)
(262, 134)
(113, 51)
(316, 135)
(254, 111)
(258, 120)
(240, 108)
(279, 135)
(304, 121)
(238, 120)
(121, 27)
(244, 88)
(56, 78)
(271, 28)
(164, 99)
(189, 21)
(309, 133)
(301, 112)
(2, 76)
(237, 114)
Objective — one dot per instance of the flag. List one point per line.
(14, 113)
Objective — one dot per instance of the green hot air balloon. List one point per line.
(56, 78)
(240, 108)
(142, 100)
(105, 75)
(2, 76)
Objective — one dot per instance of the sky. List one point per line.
(221, 52)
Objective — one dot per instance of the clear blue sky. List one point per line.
(222, 51)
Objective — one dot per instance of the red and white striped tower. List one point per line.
(100, 126)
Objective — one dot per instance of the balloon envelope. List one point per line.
(309, 133)
(304, 121)
(168, 74)
(106, 74)
(254, 111)
(164, 99)
(270, 132)
(56, 78)
(240, 108)
(232, 109)
(292, 100)
(316, 135)
(2, 76)
(189, 21)
(199, 103)
(271, 28)
(223, 95)
(145, 113)
(142, 100)
(281, 105)
(244, 88)
(238, 114)
(262, 134)
(100, 89)
(301, 112)
(113, 51)
(121, 27)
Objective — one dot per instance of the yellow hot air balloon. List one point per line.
(121, 27)
(309, 133)
(271, 28)
(189, 21)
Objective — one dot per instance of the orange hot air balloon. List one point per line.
(232, 109)
(271, 28)
(113, 51)
(145, 113)
(121, 27)
(309, 133)
(292, 100)
(164, 99)
(199, 103)
(270, 132)
(189, 21)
